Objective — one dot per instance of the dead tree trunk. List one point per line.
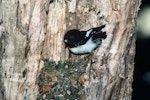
(32, 30)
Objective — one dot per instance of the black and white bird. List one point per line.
(84, 42)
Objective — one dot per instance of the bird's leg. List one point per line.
(70, 55)
(89, 56)
(90, 60)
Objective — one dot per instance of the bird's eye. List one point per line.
(66, 40)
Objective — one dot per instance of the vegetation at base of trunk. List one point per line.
(62, 81)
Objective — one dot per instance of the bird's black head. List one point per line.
(70, 38)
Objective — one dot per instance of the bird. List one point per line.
(84, 42)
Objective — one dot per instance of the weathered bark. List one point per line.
(31, 30)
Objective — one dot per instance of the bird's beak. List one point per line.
(65, 46)
(65, 41)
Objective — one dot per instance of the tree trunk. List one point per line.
(32, 30)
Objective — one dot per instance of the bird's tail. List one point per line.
(101, 35)
(98, 33)
(97, 29)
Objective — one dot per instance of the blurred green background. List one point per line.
(141, 83)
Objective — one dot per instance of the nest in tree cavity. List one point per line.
(62, 81)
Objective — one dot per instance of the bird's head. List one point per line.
(69, 38)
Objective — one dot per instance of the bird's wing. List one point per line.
(95, 33)
(84, 37)
(88, 33)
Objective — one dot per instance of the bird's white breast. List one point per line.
(88, 47)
